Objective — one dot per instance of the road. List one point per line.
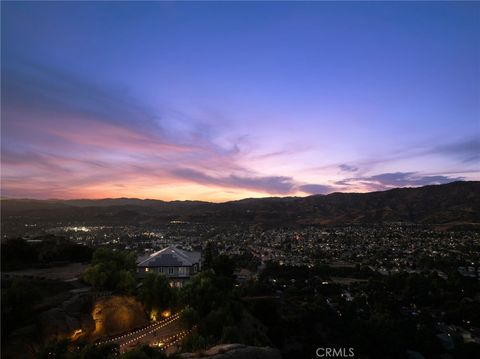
(164, 334)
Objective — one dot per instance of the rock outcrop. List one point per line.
(94, 317)
(71, 317)
(117, 314)
(235, 351)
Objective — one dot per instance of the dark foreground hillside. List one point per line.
(454, 203)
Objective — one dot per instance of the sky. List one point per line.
(220, 101)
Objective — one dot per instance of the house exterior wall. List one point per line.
(169, 272)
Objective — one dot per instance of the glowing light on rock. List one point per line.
(154, 315)
(76, 334)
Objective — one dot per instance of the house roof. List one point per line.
(171, 257)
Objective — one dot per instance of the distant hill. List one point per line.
(453, 203)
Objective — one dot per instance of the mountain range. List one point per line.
(456, 203)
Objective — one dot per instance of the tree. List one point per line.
(17, 304)
(224, 267)
(144, 352)
(104, 351)
(110, 270)
(201, 293)
(65, 349)
(230, 334)
(126, 281)
(16, 254)
(189, 317)
(58, 350)
(194, 342)
(208, 257)
(156, 293)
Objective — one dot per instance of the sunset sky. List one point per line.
(220, 101)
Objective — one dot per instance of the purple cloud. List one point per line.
(467, 150)
(268, 184)
(316, 188)
(397, 179)
(347, 168)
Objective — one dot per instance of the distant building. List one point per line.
(178, 265)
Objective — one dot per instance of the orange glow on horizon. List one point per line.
(180, 192)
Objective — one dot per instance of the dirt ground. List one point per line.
(65, 273)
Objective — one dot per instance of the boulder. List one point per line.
(61, 322)
(117, 314)
(235, 351)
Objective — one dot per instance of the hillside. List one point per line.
(453, 203)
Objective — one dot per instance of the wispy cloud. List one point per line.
(467, 150)
(316, 188)
(267, 184)
(397, 179)
(347, 168)
(62, 135)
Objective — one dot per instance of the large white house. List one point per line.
(176, 264)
